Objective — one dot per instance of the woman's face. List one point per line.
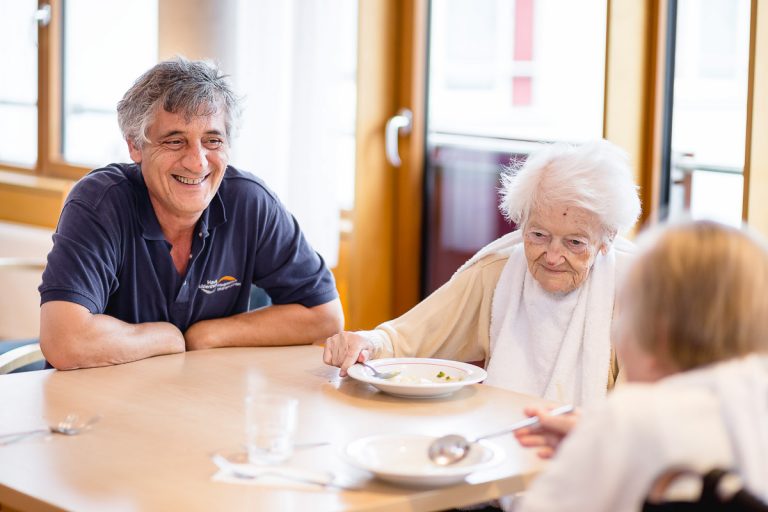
(561, 244)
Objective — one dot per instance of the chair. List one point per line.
(721, 490)
(259, 298)
(19, 315)
(22, 358)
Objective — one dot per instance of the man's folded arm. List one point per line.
(73, 337)
(277, 325)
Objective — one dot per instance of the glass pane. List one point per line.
(710, 109)
(503, 73)
(18, 87)
(98, 70)
(518, 69)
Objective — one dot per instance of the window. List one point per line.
(518, 69)
(98, 70)
(709, 109)
(18, 88)
(503, 74)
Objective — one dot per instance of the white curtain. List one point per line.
(296, 66)
(294, 61)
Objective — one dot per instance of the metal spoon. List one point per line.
(380, 375)
(450, 449)
(69, 426)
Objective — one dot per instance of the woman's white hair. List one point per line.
(595, 176)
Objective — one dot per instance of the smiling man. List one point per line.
(158, 257)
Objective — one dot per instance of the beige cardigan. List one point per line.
(452, 323)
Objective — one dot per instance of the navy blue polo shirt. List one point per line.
(109, 253)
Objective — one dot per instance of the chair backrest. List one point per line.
(721, 490)
(20, 357)
(259, 298)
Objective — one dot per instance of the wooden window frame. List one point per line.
(50, 161)
(634, 97)
(755, 202)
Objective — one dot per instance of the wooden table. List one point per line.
(162, 418)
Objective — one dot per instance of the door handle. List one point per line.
(43, 15)
(399, 123)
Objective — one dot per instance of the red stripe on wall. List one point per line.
(523, 30)
(522, 91)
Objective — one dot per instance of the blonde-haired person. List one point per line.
(536, 305)
(693, 340)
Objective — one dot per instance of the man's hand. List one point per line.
(273, 326)
(550, 431)
(345, 349)
(200, 335)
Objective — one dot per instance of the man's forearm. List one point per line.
(70, 339)
(290, 324)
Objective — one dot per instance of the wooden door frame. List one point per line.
(635, 56)
(385, 243)
(412, 92)
(755, 202)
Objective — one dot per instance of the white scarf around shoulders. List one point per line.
(551, 345)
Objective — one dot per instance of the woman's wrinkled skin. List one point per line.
(561, 243)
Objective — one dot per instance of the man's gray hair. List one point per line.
(595, 176)
(179, 86)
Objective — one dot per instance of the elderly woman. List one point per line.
(693, 336)
(536, 304)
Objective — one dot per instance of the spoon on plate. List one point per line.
(452, 448)
(378, 374)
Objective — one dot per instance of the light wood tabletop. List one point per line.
(162, 418)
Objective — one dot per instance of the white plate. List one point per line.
(418, 376)
(402, 459)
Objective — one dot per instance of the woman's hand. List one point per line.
(345, 349)
(547, 435)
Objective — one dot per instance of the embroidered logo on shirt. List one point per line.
(223, 283)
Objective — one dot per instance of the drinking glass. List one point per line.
(270, 424)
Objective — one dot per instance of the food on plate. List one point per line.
(439, 378)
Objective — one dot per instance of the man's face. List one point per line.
(561, 244)
(183, 164)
